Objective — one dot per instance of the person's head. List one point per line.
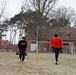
(23, 38)
(56, 35)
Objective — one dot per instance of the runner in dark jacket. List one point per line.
(22, 45)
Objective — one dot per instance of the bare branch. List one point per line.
(3, 5)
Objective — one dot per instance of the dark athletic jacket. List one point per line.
(22, 44)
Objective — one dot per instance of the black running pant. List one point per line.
(56, 53)
(22, 54)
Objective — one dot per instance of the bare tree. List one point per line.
(40, 15)
(66, 13)
(62, 17)
(42, 9)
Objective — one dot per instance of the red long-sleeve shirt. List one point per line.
(56, 42)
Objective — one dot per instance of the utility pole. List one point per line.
(38, 17)
(37, 38)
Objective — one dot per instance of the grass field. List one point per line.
(10, 65)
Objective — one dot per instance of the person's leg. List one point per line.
(23, 55)
(56, 55)
(20, 55)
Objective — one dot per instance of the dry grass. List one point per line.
(10, 65)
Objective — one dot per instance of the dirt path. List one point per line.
(10, 65)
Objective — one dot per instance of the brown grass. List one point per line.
(10, 65)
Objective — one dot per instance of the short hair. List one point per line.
(56, 35)
(23, 37)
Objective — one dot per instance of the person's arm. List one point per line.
(18, 46)
(17, 51)
(61, 50)
(61, 42)
(51, 42)
(25, 46)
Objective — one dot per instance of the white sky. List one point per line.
(14, 7)
(68, 3)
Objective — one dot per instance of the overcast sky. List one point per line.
(68, 3)
(14, 6)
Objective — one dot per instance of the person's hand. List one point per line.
(61, 50)
(17, 52)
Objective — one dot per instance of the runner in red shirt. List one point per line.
(56, 43)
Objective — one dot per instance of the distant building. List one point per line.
(6, 46)
(68, 35)
(4, 42)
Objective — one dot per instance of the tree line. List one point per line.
(42, 15)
